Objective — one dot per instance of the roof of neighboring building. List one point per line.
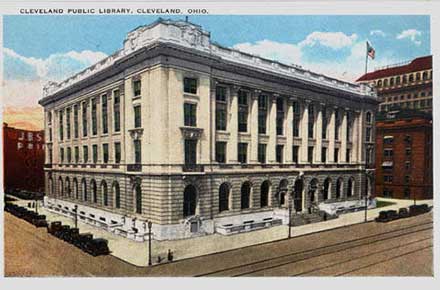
(402, 114)
(417, 64)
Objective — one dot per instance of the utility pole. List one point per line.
(150, 224)
(76, 215)
(290, 218)
(36, 206)
(366, 205)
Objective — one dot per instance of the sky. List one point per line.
(37, 49)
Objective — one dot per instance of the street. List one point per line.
(398, 248)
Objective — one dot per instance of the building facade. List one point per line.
(198, 138)
(404, 155)
(403, 86)
(23, 155)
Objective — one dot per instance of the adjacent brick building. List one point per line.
(23, 155)
(404, 155)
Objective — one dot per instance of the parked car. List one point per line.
(62, 231)
(403, 212)
(82, 240)
(71, 235)
(97, 247)
(54, 227)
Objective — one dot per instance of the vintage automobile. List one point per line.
(62, 232)
(418, 209)
(97, 247)
(54, 227)
(39, 221)
(71, 235)
(403, 212)
(82, 240)
(386, 216)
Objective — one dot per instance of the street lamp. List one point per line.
(290, 218)
(36, 206)
(150, 224)
(75, 210)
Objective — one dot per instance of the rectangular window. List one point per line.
(324, 155)
(85, 154)
(243, 111)
(262, 153)
(311, 121)
(190, 113)
(50, 134)
(242, 152)
(324, 124)
(117, 152)
(337, 122)
(137, 151)
(368, 135)
(296, 118)
(220, 152)
(61, 129)
(262, 114)
(368, 156)
(220, 108)
(94, 117)
(61, 155)
(76, 154)
(279, 153)
(388, 140)
(190, 152)
(84, 119)
(95, 153)
(280, 117)
(347, 155)
(75, 121)
(117, 110)
(408, 151)
(137, 117)
(104, 113)
(137, 85)
(68, 123)
(105, 153)
(190, 85)
(295, 151)
(310, 154)
(69, 155)
(50, 155)
(408, 165)
(336, 155)
(388, 178)
(388, 152)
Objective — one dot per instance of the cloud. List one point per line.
(283, 52)
(412, 34)
(28, 118)
(335, 40)
(378, 32)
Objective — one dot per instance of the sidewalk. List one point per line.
(137, 253)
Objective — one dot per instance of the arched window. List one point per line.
(189, 200)
(313, 190)
(282, 192)
(67, 187)
(138, 198)
(264, 193)
(84, 189)
(245, 195)
(298, 192)
(350, 187)
(385, 82)
(369, 118)
(117, 194)
(75, 188)
(425, 75)
(104, 193)
(94, 193)
(379, 83)
(339, 187)
(223, 197)
(60, 186)
(327, 188)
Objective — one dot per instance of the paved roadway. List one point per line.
(399, 248)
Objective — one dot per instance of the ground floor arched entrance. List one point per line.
(298, 195)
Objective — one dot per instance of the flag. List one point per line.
(370, 51)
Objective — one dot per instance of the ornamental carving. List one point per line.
(191, 132)
(136, 134)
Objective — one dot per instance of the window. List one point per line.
(68, 123)
(137, 151)
(61, 129)
(105, 152)
(336, 155)
(411, 78)
(295, 151)
(94, 117)
(310, 154)
(418, 76)
(408, 165)
(85, 154)
(243, 110)
(280, 116)
(391, 81)
(220, 152)
(190, 114)
(379, 83)
(337, 122)
(117, 152)
(368, 135)
(137, 117)
(137, 85)
(385, 82)
(311, 121)
(69, 155)
(324, 155)
(296, 118)
(388, 140)
(262, 153)
(50, 134)
(62, 155)
(387, 192)
(190, 152)
(190, 85)
(242, 152)
(388, 153)
(76, 154)
(324, 123)
(49, 118)
(262, 114)
(388, 178)
(406, 192)
(75, 121)
(279, 153)
(220, 108)
(117, 110)
(398, 80)
(223, 197)
(347, 155)
(84, 119)
(95, 153)
(407, 179)
(104, 113)
(408, 151)
(425, 75)
(404, 79)
(369, 157)
(50, 155)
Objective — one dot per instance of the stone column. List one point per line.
(213, 119)
(361, 148)
(254, 127)
(272, 129)
(304, 132)
(343, 136)
(318, 134)
(231, 147)
(331, 136)
(355, 139)
(289, 132)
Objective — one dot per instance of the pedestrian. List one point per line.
(170, 255)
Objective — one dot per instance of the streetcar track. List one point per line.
(318, 248)
(383, 261)
(359, 257)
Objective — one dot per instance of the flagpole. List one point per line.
(366, 57)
